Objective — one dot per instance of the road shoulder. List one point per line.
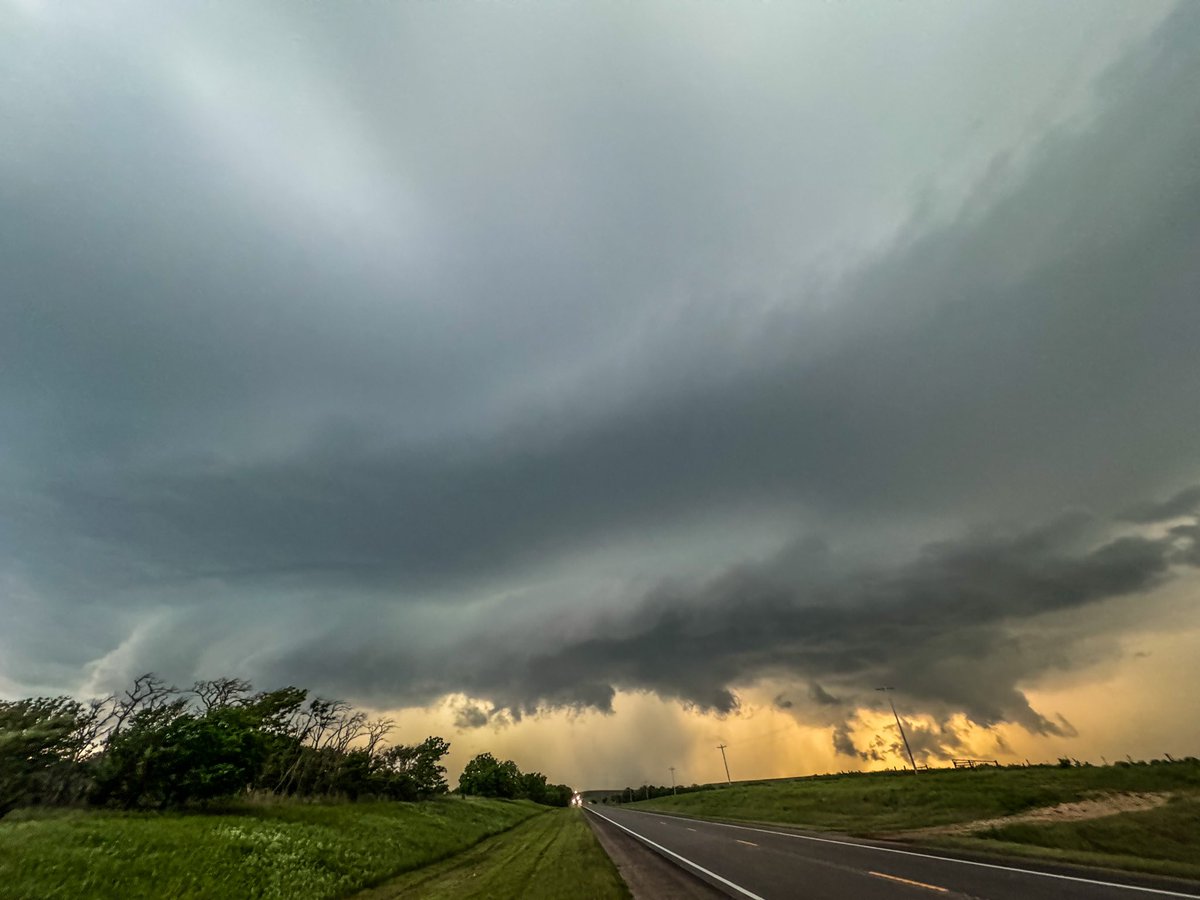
(647, 874)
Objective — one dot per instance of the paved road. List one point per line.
(768, 864)
(648, 874)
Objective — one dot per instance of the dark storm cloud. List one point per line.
(821, 696)
(297, 357)
(471, 716)
(985, 371)
(843, 741)
(1185, 503)
(955, 626)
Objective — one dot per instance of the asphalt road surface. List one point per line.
(772, 864)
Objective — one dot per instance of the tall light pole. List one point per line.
(672, 781)
(724, 760)
(903, 736)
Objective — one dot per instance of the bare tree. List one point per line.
(377, 730)
(221, 692)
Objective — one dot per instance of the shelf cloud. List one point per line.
(540, 355)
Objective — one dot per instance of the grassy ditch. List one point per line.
(545, 858)
(284, 850)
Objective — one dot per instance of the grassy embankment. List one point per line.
(272, 851)
(545, 858)
(1165, 840)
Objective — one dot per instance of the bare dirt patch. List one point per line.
(1094, 807)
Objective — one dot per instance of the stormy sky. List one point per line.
(518, 360)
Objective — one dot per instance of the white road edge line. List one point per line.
(683, 859)
(965, 862)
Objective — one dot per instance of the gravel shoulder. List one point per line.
(648, 875)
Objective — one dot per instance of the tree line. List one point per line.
(156, 746)
(486, 776)
(651, 791)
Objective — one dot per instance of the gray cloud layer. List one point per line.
(325, 350)
(955, 626)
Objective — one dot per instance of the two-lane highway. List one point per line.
(772, 864)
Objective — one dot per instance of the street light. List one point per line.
(903, 736)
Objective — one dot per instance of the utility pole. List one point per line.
(724, 760)
(672, 781)
(903, 736)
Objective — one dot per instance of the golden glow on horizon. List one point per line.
(1135, 701)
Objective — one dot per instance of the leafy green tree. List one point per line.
(168, 756)
(155, 745)
(486, 776)
(558, 795)
(532, 786)
(356, 774)
(279, 714)
(416, 771)
(39, 740)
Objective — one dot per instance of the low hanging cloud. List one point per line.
(471, 715)
(821, 696)
(1184, 504)
(957, 626)
(961, 628)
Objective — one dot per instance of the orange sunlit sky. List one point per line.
(1134, 702)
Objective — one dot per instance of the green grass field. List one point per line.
(546, 858)
(1165, 840)
(898, 801)
(272, 851)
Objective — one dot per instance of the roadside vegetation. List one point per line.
(277, 850)
(545, 858)
(1165, 840)
(219, 790)
(882, 802)
(160, 747)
